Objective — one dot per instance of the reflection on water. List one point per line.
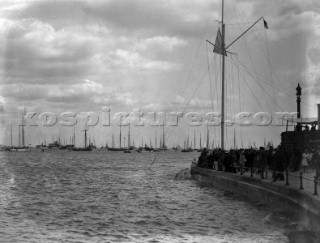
(62, 196)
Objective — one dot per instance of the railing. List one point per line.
(263, 174)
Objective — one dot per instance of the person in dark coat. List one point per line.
(221, 156)
(295, 160)
(211, 161)
(203, 159)
(279, 164)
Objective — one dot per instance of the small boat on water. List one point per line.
(187, 150)
(19, 149)
(115, 149)
(82, 149)
(68, 146)
(54, 145)
(21, 138)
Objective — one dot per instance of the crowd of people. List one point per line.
(276, 160)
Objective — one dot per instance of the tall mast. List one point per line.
(234, 138)
(74, 135)
(155, 139)
(207, 137)
(194, 138)
(222, 77)
(188, 141)
(163, 138)
(11, 135)
(19, 135)
(120, 134)
(129, 138)
(85, 137)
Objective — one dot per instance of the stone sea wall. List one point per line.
(296, 202)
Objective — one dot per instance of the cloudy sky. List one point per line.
(81, 56)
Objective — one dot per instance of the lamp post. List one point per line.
(298, 89)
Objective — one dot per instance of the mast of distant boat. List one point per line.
(11, 135)
(207, 137)
(222, 78)
(120, 135)
(163, 136)
(85, 137)
(194, 138)
(129, 137)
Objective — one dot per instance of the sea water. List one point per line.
(104, 196)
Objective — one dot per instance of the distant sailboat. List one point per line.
(120, 141)
(21, 143)
(86, 148)
(187, 148)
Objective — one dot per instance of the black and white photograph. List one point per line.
(168, 121)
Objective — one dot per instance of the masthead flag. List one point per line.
(265, 24)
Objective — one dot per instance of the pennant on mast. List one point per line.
(265, 24)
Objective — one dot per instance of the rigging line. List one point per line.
(250, 73)
(258, 81)
(167, 137)
(232, 105)
(254, 69)
(267, 55)
(217, 83)
(233, 98)
(243, 90)
(232, 84)
(267, 83)
(218, 64)
(244, 37)
(213, 79)
(215, 91)
(241, 23)
(269, 63)
(228, 107)
(210, 83)
(197, 53)
(240, 107)
(208, 103)
(218, 67)
(261, 108)
(211, 102)
(271, 85)
(277, 132)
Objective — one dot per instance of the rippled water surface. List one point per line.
(103, 196)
